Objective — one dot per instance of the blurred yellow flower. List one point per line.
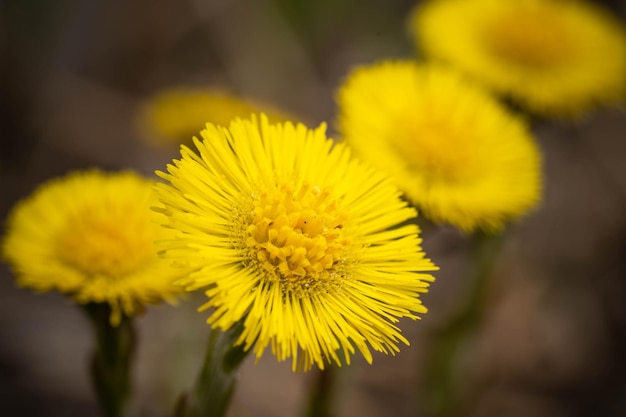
(296, 239)
(557, 58)
(91, 235)
(175, 115)
(450, 146)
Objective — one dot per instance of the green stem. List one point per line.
(449, 340)
(215, 385)
(322, 398)
(111, 361)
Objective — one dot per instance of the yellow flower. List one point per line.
(174, 116)
(296, 239)
(557, 58)
(91, 235)
(449, 145)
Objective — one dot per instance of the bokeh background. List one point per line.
(75, 74)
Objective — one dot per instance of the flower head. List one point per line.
(91, 235)
(557, 58)
(449, 145)
(305, 245)
(175, 115)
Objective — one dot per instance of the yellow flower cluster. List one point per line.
(313, 251)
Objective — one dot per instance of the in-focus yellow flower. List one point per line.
(175, 115)
(296, 239)
(450, 146)
(557, 58)
(91, 235)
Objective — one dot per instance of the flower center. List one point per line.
(534, 38)
(436, 151)
(111, 241)
(296, 237)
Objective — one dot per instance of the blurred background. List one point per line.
(74, 77)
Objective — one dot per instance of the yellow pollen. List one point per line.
(109, 241)
(533, 38)
(296, 237)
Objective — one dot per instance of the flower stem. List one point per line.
(215, 385)
(112, 358)
(322, 393)
(442, 390)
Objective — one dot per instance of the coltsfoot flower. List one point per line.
(91, 235)
(311, 249)
(557, 58)
(174, 115)
(450, 146)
